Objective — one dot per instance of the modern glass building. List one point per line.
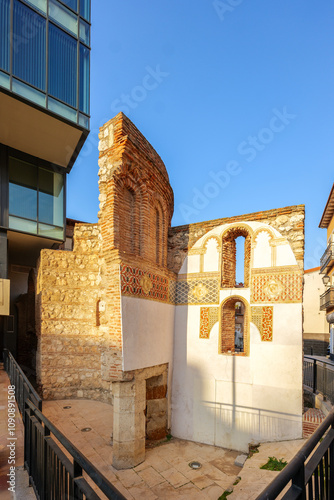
(44, 122)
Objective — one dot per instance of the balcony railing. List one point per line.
(327, 260)
(327, 299)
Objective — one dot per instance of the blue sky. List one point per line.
(236, 96)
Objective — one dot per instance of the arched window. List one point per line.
(129, 221)
(158, 242)
(157, 237)
(230, 266)
(234, 327)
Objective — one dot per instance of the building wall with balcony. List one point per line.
(315, 326)
(327, 267)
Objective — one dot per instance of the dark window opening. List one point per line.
(239, 327)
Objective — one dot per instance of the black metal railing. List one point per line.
(23, 388)
(57, 474)
(327, 299)
(308, 476)
(327, 258)
(57, 470)
(319, 376)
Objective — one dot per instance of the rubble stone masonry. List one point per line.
(289, 221)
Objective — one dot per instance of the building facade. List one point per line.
(315, 325)
(44, 107)
(150, 319)
(327, 267)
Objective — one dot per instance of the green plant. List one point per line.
(168, 437)
(253, 448)
(225, 494)
(274, 464)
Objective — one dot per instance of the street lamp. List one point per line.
(326, 279)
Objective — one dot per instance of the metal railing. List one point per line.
(319, 376)
(308, 478)
(327, 299)
(57, 470)
(53, 473)
(327, 258)
(23, 388)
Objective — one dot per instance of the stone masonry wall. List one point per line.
(73, 348)
(289, 221)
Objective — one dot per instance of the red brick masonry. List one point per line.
(311, 421)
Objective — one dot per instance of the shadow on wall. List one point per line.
(220, 411)
(218, 419)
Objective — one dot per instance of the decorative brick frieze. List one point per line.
(209, 316)
(262, 317)
(277, 287)
(141, 284)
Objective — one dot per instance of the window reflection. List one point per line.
(22, 189)
(36, 199)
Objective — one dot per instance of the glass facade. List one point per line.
(45, 54)
(36, 199)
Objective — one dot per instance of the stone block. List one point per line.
(128, 455)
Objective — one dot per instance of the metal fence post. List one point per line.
(314, 376)
(325, 382)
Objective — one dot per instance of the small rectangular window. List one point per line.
(72, 4)
(84, 32)
(38, 4)
(61, 15)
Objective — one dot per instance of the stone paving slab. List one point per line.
(165, 473)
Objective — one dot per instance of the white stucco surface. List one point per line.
(230, 400)
(285, 256)
(314, 319)
(147, 331)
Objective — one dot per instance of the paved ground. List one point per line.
(165, 474)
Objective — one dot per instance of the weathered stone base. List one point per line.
(140, 411)
(105, 396)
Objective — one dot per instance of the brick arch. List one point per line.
(228, 266)
(227, 326)
(128, 216)
(158, 226)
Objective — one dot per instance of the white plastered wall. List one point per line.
(147, 333)
(231, 401)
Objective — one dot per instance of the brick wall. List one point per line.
(79, 292)
(229, 256)
(289, 221)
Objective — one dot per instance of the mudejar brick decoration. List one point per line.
(130, 316)
(229, 256)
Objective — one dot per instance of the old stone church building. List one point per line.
(149, 318)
